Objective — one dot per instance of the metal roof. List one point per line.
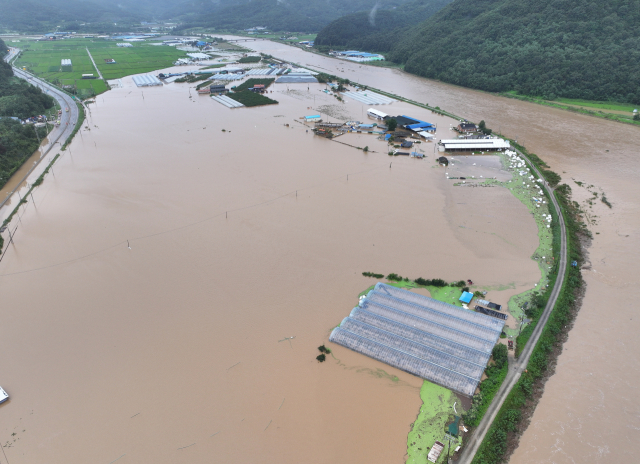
(146, 80)
(437, 341)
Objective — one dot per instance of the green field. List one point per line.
(43, 59)
(613, 106)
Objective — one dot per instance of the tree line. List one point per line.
(580, 49)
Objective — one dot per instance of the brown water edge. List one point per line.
(588, 412)
(17, 180)
(169, 351)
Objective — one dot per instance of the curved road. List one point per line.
(516, 369)
(67, 119)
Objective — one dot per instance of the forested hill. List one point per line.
(551, 48)
(280, 15)
(17, 99)
(376, 31)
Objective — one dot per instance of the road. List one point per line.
(67, 119)
(94, 64)
(516, 368)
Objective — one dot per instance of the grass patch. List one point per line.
(253, 82)
(248, 98)
(519, 402)
(496, 373)
(250, 59)
(435, 413)
(43, 60)
(591, 108)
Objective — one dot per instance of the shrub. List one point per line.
(321, 357)
(372, 274)
(394, 277)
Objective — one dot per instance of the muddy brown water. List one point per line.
(589, 411)
(171, 350)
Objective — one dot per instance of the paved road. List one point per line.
(516, 368)
(94, 64)
(67, 119)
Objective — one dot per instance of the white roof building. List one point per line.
(65, 62)
(475, 144)
(198, 56)
(146, 80)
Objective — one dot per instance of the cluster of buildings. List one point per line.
(355, 55)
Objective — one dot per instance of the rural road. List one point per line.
(94, 64)
(67, 119)
(516, 368)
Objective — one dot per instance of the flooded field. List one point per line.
(588, 411)
(152, 286)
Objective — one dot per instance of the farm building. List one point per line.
(474, 144)
(296, 78)
(467, 127)
(146, 80)
(433, 340)
(414, 124)
(65, 63)
(124, 44)
(355, 55)
(198, 56)
(373, 113)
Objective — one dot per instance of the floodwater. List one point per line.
(590, 411)
(151, 288)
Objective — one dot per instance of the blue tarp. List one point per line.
(466, 297)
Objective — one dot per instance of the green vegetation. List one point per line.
(18, 98)
(533, 47)
(321, 357)
(612, 111)
(357, 32)
(250, 59)
(496, 373)
(191, 78)
(392, 125)
(372, 274)
(17, 143)
(324, 349)
(517, 406)
(293, 15)
(43, 59)
(214, 66)
(249, 83)
(436, 412)
(248, 98)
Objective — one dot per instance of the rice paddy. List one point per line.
(44, 60)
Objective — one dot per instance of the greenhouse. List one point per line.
(439, 342)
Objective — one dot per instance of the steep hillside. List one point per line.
(45, 15)
(280, 15)
(377, 30)
(552, 48)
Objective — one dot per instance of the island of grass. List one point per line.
(249, 98)
(249, 83)
(250, 59)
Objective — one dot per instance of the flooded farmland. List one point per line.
(152, 286)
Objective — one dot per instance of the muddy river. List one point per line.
(153, 284)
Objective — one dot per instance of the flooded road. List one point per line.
(589, 411)
(152, 285)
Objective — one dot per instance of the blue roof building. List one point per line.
(466, 297)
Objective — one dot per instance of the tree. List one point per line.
(392, 124)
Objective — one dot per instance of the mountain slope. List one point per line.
(377, 30)
(280, 15)
(551, 48)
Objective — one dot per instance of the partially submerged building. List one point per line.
(494, 144)
(436, 341)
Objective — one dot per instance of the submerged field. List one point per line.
(44, 60)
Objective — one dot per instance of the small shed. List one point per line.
(406, 144)
(466, 297)
(315, 117)
(467, 127)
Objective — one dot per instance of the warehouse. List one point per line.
(436, 341)
(146, 80)
(474, 144)
(375, 114)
